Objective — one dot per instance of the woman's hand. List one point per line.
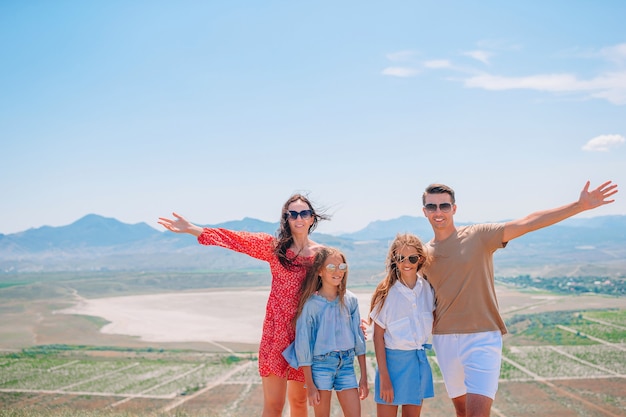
(180, 225)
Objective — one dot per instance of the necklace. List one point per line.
(298, 250)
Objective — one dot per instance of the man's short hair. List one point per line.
(438, 189)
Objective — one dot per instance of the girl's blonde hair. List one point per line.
(392, 273)
(313, 280)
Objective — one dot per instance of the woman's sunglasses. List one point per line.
(304, 214)
(412, 258)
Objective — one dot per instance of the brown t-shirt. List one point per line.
(461, 273)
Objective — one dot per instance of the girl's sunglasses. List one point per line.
(333, 267)
(413, 258)
(304, 214)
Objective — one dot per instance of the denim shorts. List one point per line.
(334, 370)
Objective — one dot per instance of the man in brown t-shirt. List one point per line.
(468, 329)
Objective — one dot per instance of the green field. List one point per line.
(62, 366)
(163, 376)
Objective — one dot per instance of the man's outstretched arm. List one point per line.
(588, 200)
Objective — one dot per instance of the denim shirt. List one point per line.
(325, 326)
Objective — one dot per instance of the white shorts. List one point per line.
(470, 363)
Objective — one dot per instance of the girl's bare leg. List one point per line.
(411, 410)
(350, 402)
(323, 408)
(386, 410)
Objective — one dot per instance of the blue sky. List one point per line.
(222, 110)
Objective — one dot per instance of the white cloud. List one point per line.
(482, 56)
(604, 143)
(608, 86)
(616, 53)
(401, 56)
(403, 72)
(548, 82)
(439, 63)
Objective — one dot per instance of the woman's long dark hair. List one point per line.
(284, 237)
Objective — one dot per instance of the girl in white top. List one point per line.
(402, 310)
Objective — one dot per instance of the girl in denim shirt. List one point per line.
(329, 336)
(402, 311)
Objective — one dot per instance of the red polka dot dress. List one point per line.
(278, 332)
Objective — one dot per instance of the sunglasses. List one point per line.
(444, 207)
(304, 214)
(412, 258)
(333, 267)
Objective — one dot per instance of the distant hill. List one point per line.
(386, 229)
(95, 243)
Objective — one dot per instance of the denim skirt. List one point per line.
(411, 377)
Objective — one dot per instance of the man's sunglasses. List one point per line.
(333, 267)
(444, 207)
(304, 214)
(412, 258)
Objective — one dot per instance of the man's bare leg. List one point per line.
(472, 405)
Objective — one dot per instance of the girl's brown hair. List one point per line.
(313, 281)
(392, 273)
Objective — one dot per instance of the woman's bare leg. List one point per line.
(274, 393)
(296, 394)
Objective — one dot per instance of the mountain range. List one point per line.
(577, 246)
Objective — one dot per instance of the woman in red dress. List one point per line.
(288, 255)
